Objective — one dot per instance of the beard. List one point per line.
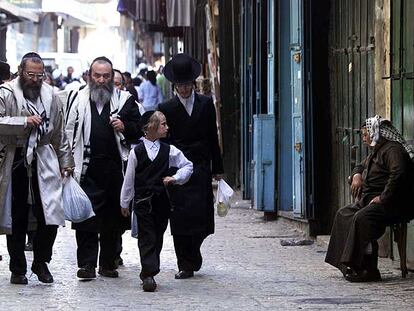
(101, 93)
(31, 90)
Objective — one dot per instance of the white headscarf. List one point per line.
(378, 127)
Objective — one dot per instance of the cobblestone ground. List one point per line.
(245, 268)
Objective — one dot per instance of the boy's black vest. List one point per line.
(149, 174)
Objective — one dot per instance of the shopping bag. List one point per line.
(224, 194)
(76, 204)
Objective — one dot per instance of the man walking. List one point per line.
(192, 126)
(101, 119)
(34, 153)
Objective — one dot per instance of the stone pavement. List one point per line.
(245, 268)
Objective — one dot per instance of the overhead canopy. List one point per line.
(12, 14)
(170, 13)
(181, 13)
(74, 13)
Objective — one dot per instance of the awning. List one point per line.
(165, 13)
(181, 13)
(16, 14)
(73, 12)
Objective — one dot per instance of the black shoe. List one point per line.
(108, 273)
(149, 284)
(18, 279)
(184, 274)
(28, 247)
(118, 262)
(42, 272)
(86, 272)
(364, 276)
(347, 271)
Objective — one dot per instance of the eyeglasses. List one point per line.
(32, 75)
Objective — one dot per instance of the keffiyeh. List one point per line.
(378, 127)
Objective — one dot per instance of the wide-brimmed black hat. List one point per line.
(182, 68)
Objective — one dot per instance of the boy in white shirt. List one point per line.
(146, 181)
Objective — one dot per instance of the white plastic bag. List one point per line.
(76, 204)
(224, 194)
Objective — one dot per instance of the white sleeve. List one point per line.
(128, 190)
(185, 167)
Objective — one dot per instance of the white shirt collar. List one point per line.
(187, 102)
(149, 143)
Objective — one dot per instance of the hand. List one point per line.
(117, 124)
(34, 121)
(67, 171)
(356, 186)
(169, 180)
(376, 200)
(125, 211)
(218, 177)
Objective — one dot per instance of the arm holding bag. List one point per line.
(76, 204)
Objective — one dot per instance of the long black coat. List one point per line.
(196, 136)
(387, 172)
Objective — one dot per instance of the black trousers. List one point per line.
(119, 244)
(354, 227)
(88, 248)
(187, 250)
(151, 227)
(46, 234)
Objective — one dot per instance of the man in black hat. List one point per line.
(192, 121)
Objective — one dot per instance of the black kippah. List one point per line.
(102, 58)
(31, 55)
(143, 121)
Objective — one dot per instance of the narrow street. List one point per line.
(245, 268)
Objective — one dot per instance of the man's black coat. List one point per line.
(196, 136)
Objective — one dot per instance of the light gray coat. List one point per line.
(52, 152)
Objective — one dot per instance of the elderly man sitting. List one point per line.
(380, 185)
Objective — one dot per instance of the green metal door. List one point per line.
(402, 66)
(352, 86)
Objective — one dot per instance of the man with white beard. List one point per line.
(100, 121)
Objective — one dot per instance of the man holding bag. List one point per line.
(34, 152)
(101, 119)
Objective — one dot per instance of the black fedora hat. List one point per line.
(182, 68)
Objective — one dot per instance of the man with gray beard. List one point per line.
(34, 154)
(100, 121)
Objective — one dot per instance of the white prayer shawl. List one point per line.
(78, 126)
(12, 129)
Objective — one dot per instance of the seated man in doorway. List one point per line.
(381, 186)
